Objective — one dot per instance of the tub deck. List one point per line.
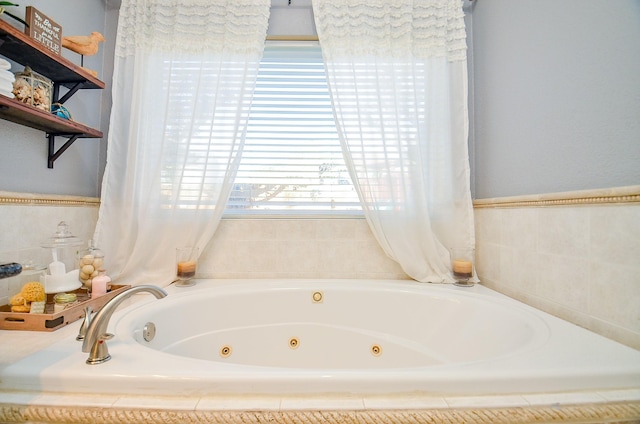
(32, 387)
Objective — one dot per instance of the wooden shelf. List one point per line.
(19, 47)
(21, 113)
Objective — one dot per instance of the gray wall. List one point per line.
(23, 151)
(555, 99)
(556, 96)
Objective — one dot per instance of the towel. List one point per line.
(9, 95)
(4, 64)
(6, 86)
(7, 76)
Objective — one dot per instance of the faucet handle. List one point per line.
(85, 323)
(99, 351)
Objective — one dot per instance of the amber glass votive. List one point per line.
(186, 265)
(462, 265)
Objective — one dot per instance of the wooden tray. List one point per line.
(50, 321)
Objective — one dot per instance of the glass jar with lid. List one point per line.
(90, 262)
(62, 273)
(62, 301)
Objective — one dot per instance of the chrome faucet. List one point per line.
(95, 339)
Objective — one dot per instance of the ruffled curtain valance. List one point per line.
(392, 28)
(192, 26)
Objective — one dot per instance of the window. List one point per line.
(292, 160)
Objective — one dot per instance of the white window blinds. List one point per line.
(292, 160)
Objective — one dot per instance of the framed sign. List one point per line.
(44, 30)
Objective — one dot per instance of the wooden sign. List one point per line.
(42, 29)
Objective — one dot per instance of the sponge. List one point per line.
(33, 292)
(19, 304)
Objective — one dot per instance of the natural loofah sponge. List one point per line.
(21, 308)
(19, 304)
(16, 300)
(33, 292)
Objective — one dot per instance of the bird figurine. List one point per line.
(86, 45)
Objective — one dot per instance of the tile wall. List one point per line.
(296, 248)
(26, 222)
(578, 262)
(241, 248)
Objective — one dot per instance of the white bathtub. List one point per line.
(361, 337)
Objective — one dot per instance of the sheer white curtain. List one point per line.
(183, 81)
(397, 75)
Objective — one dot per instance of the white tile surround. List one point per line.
(577, 259)
(27, 220)
(296, 248)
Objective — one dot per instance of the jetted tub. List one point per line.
(333, 336)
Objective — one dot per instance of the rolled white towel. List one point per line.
(7, 76)
(4, 64)
(9, 94)
(6, 86)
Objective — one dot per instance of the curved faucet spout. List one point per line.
(95, 338)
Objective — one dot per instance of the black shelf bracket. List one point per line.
(68, 94)
(53, 154)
